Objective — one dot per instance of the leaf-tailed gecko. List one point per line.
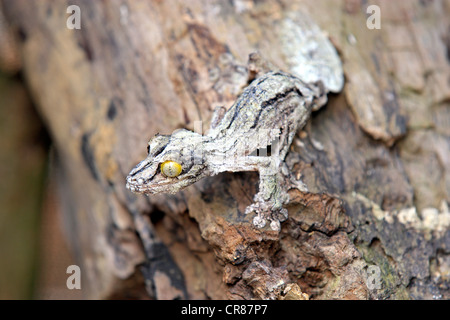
(268, 113)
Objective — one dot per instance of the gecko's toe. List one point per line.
(265, 213)
(275, 225)
(259, 221)
(281, 215)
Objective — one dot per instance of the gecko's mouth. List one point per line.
(157, 184)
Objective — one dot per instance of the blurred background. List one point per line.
(34, 254)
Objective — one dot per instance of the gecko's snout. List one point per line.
(133, 184)
(146, 178)
(139, 175)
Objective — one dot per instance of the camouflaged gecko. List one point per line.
(268, 113)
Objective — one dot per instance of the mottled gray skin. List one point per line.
(269, 112)
(272, 108)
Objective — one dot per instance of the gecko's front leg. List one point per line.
(268, 202)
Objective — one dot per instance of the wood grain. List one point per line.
(375, 159)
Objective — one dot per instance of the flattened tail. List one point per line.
(309, 53)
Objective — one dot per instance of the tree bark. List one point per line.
(376, 159)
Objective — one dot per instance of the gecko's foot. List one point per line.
(265, 212)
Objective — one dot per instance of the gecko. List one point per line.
(269, 112)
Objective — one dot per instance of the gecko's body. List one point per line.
(272, 108)
(267, 113)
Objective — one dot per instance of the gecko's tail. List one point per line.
(309, 53)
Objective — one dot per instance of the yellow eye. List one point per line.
(170, 168)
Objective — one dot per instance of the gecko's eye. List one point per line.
(170, 168)
(148, 149)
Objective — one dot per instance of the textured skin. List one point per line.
(268, 113)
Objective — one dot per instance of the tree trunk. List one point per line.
(376, 160)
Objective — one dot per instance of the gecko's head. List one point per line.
(173, 163)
